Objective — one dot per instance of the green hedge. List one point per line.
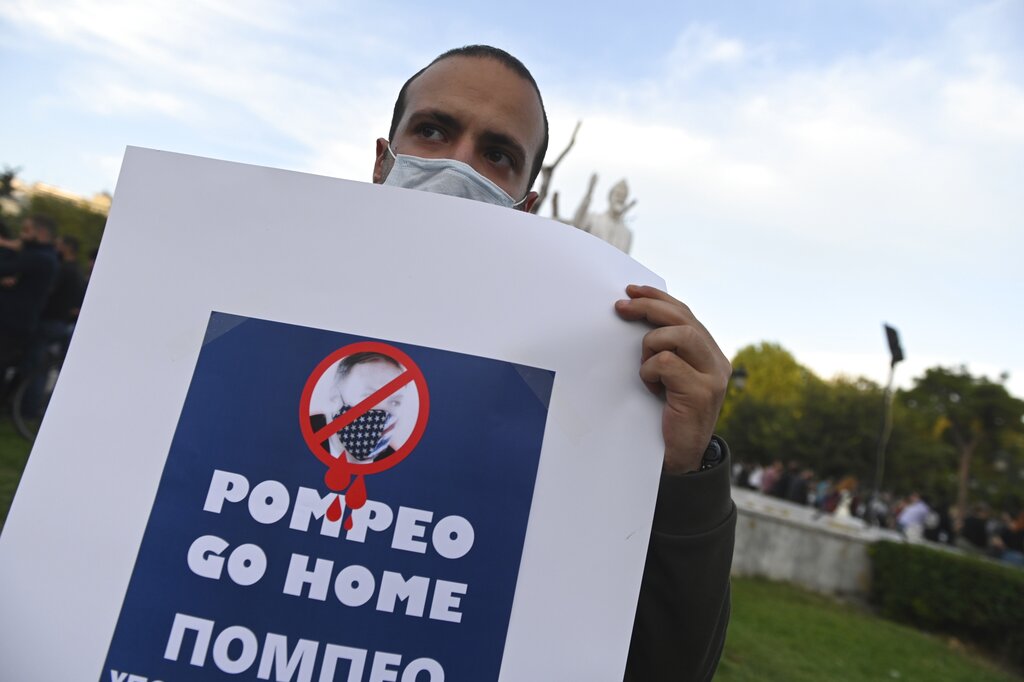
(964, 596)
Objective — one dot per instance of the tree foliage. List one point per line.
(974, 415)
(759, 421)
(784, 411)
(7, 181)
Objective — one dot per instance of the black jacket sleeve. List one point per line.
(683, 610)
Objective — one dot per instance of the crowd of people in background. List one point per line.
(42, 286)
(982, 530)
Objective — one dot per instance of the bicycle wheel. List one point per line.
(31, 398)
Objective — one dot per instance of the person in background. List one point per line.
(973, 532)
(28, 272)
(770, 477)
(799, 489)
(911, 519)
(56, 322)
(939, 526)
(61, 311)
(1010, 541)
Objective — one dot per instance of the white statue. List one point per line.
(609, 225)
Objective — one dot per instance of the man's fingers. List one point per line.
(668, 370)
(645, 291)
(661, 313)
(667, 373)
(689, 343)
(656, 311)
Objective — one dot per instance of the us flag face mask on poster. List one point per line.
(367, 438)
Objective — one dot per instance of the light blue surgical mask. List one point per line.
(446, 176)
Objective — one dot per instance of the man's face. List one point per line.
(28, 231)
(475, 110)
(365, 378)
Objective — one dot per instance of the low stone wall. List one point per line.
(784, 541)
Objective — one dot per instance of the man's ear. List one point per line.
(531, 199)
(378, 165)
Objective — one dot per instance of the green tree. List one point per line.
(7, 181)
(840, 426)
(762, 421)
(918, 459)
(974, 415)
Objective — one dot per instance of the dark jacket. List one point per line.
(68, 292)
(35, 268)
(683, 610)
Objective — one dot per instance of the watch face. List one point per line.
(712, 456)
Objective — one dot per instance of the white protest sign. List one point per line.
(204, 501)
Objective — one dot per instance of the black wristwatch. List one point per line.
(713, 456)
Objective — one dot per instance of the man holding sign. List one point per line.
(472, 124)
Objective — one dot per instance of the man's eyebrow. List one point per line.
(438, 115)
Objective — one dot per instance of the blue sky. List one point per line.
(804, 170)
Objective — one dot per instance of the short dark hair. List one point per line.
(480, 52)
(71, 243)
(44, 223)
(346, 365)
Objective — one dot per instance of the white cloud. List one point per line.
(111, 97)
(986, 103)
(700, 47)
(875, 146)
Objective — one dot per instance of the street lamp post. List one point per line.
(896, 355)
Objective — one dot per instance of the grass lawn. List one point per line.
(13, 454)
(779, 632)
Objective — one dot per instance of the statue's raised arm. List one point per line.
(581, 219)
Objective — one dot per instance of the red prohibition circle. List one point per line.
(412, 374)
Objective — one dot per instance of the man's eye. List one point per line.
(430, 132)
(500, 158)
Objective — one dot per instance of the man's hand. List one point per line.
(681, 362)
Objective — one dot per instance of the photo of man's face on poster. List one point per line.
(379, 431)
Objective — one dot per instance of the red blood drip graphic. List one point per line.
(337, 477)
(355, 497)
(334, 511)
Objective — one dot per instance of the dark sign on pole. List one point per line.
(894, 344)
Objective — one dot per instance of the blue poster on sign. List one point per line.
(334, 508)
